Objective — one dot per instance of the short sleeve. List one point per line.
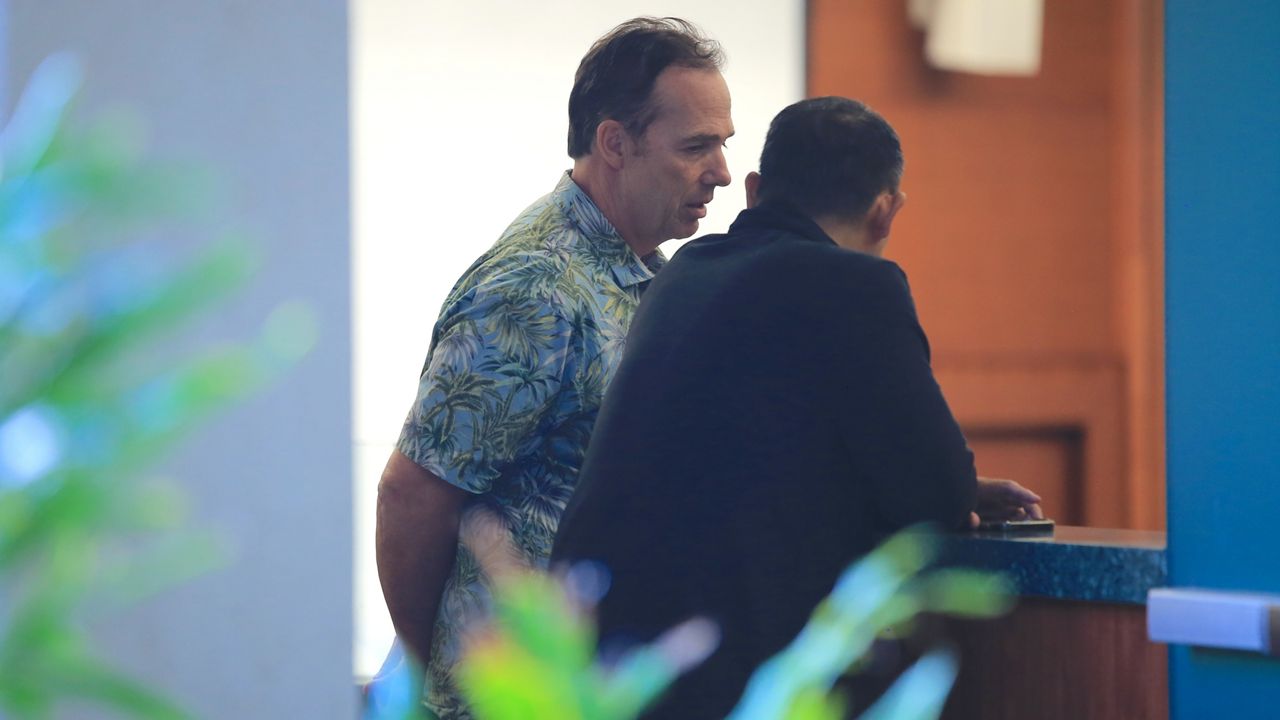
(488, 387)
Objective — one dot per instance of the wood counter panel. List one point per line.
(1052, 659)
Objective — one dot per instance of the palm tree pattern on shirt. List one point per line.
(525, 345)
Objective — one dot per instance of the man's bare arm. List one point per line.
(416, 541)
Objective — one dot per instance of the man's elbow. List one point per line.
(941, 498)
(396, 486)
(404, 482)
(410, 492)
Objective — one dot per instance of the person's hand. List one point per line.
(1004, 500)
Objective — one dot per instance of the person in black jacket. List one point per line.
(774, 414)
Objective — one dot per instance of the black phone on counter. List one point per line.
(1017, 526)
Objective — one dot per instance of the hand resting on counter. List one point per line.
(1000, 499)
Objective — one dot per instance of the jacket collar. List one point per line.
(780, 216)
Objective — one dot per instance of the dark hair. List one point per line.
(829, 156)
(616, 77)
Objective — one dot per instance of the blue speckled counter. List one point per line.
(1073, 563)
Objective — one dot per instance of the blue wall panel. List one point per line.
(1223, 303)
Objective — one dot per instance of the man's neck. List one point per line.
(851, 235)
(594, 180)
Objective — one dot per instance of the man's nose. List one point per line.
(718, 173)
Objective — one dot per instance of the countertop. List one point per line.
(1072, 563)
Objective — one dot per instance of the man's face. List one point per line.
(671, 172)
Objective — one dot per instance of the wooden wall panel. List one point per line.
(1030, 233)
(991, 397)
(1138, 227)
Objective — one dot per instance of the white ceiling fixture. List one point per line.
(985, 37)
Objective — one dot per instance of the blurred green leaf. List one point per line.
(920, 693)
(503, 681)
(39, 114)
(86, 679)
(531, 609)
(813, 704)
(965, 593)
(644, 673)
(65, 368)
(883, 590)
(536, 659)
(89, 399)
(146, 571)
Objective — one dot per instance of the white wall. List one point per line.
(259, 89)
(459, 118)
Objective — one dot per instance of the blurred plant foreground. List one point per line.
(93, 391)
(538, 658)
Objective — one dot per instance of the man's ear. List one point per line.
(611, 139)
(883, 211)
(753, 189)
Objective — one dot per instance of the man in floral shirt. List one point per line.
(532, 333)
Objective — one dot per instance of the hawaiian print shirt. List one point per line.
(525, 345)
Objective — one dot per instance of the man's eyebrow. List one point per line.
(708, 138)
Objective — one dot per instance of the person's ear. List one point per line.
(753, 189)
(883, 211)
(611, 141)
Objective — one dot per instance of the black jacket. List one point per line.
(773, 416)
